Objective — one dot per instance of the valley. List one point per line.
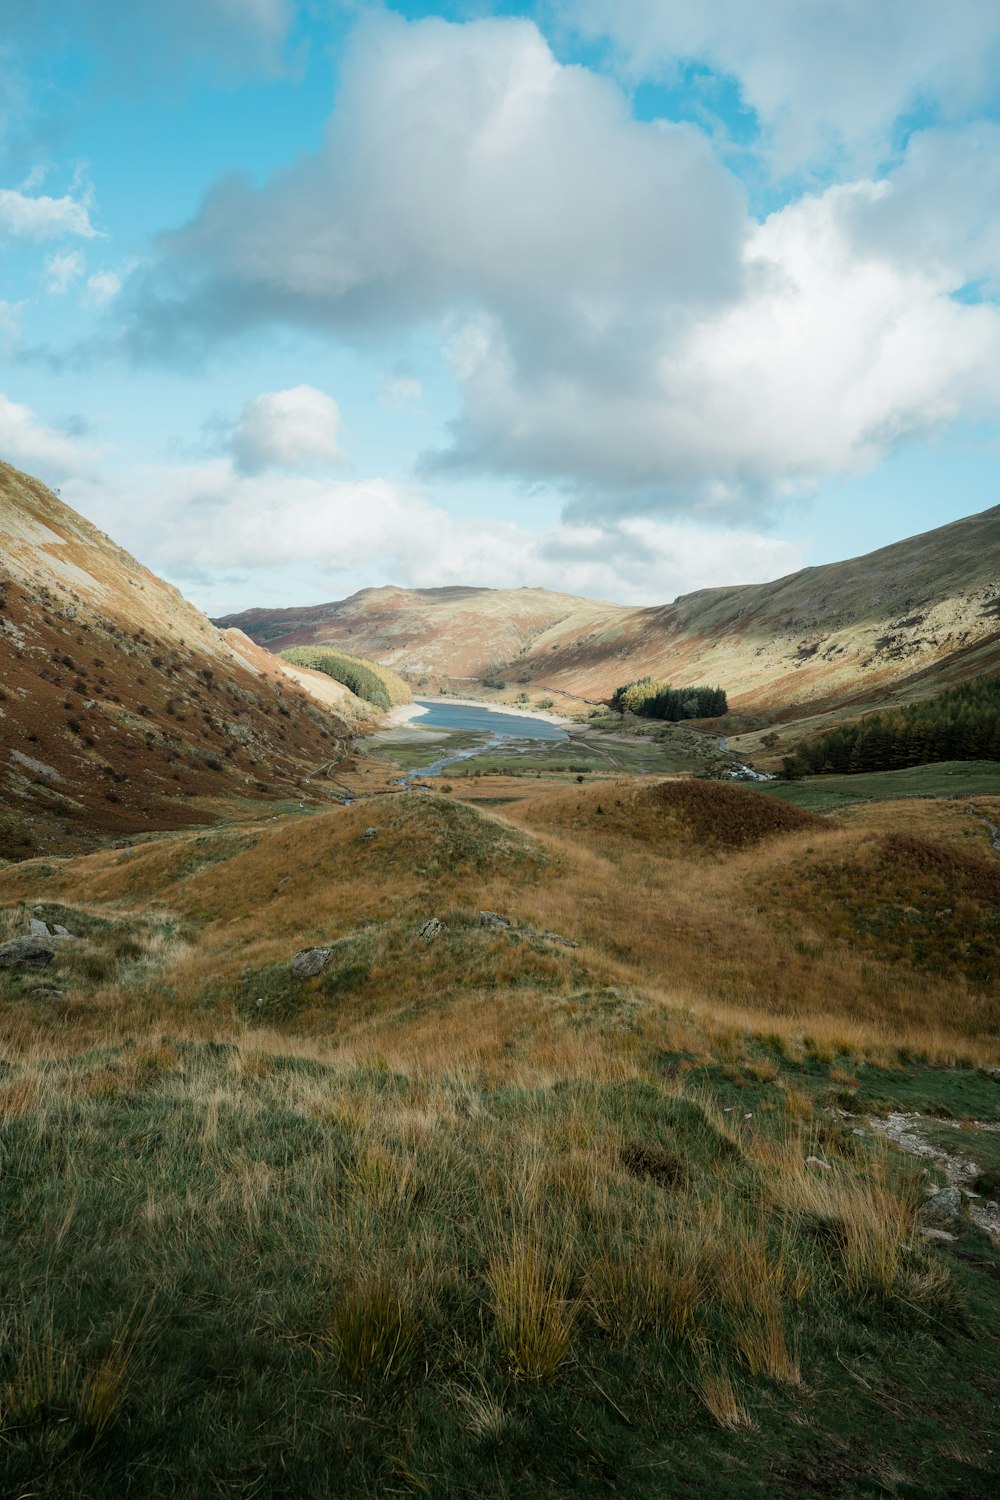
(508, 1104)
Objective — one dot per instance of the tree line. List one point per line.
(374, 683)
(658, 700)
(960, 724)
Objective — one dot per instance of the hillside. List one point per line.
(122, 709)
(910, 617)
(559, 1167)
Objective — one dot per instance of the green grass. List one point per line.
(228, 1272)
(948, 779)
(559, 759)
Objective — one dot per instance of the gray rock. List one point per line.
(64, 932)
(557, 937)
(492, 919)
(369, 833)
(431, 929)
(936, 1234)
(311, 961)
(25, 953)
(38, 929)
(943, 1209)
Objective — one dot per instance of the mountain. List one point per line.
(122, 708)
(921, 612)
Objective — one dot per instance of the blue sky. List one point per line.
(619, 297)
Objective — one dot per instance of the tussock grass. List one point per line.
(374, 1329)
(319, 1234)
(533, 1316)
(485, 1211)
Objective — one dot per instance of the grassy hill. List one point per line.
(898, 623)
(122, 709)
(523, 1209)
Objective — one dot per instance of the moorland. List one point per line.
(531, 1130)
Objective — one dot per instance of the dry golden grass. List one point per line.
(532, 1314)
(679, 945)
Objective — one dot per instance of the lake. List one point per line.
(478, 719)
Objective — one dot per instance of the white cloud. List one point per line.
(103, 287)
(290, 429)
(61, 270)
(207, 520)
(462, 165)
(846, 339)
(615, 321)
(29, 443)
(826, 78)
(36, 217)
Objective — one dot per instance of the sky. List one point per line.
(623, 298)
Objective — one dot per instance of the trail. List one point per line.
(994, 831)
(959, 1170)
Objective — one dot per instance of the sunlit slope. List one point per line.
(620, 899)
(122, 708)
(908, 618)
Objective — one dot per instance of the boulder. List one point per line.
(943, 1209)
(38, 929)
(430, 930)
(492, 919)
(557, 937)
(64, 932)
(25, 953)
(311, 961)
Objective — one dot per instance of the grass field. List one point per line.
(954, 778)
(584, 753)
(511, 1211)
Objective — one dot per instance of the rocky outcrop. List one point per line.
(26, 953)
(309, 962)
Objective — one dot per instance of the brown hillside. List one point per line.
(855, 932)
(679, 816)
(122, 709)
(905, 619)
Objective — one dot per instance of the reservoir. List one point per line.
(478, 719)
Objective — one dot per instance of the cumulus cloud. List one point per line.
(29, 443)
(291, 429)
(206, 520)
(616, 322)
(827, 79)
(840, 346)
(463, 164)
(36, 217)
